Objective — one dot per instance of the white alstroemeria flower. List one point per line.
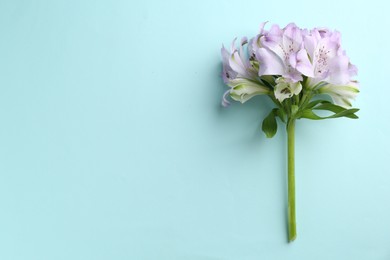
(341, 94)
(285, 88)
(244, 89)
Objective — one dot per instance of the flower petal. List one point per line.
(237, 64)
(310, 45)
(339, 73)
(293, 60)
(244, 89)
(286, 89)
(341, 94)
(296, 88)
(282, 91)
(303, 64)
(227, 72)
(225, 102)
(292, 38)
(353, 70)
(270, 63)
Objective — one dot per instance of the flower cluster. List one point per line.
(294, 67)
(284, 63)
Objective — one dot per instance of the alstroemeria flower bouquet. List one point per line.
(294, 67)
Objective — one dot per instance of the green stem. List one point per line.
(292, 226)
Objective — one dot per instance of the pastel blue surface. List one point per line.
(113, 144)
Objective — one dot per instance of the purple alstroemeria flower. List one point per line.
(240, 75)
(332, 69)
(235, 63)
(329, 62)
(282, 53)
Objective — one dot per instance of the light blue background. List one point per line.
(113, 144)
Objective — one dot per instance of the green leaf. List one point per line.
(270, 125)
(316, 102)
(347, 113)
(336, 109)
(309, 114)
(350, 113)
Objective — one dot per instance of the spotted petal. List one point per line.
(286, 89)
